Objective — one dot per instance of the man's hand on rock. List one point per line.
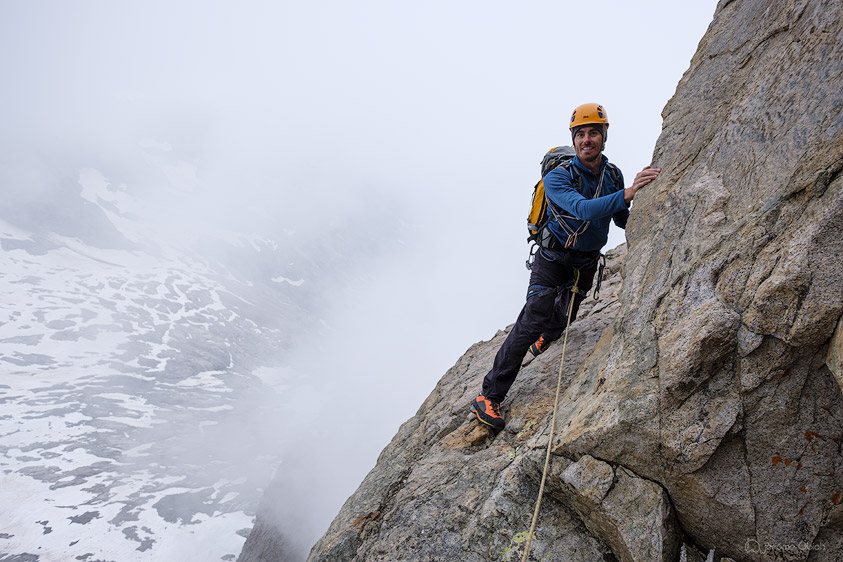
(642, 178)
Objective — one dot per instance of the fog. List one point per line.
(406, 136)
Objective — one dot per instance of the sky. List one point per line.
(298, 113)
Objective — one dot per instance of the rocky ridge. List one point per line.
(702, 400)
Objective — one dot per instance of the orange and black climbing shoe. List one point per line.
(488, 412)
(539, 347)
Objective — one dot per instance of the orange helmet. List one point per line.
(589, 114)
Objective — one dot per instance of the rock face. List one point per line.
(720, 381)
(703, 401)
(447, 489)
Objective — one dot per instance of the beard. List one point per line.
(597, 153)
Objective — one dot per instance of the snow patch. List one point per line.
(12, 232)
(296, 283)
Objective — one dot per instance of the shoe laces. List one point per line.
(496, 408)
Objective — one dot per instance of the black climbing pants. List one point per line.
(544, 314)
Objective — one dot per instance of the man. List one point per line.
(582, 197)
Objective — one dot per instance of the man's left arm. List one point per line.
(560, 191)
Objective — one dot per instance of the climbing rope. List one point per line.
(574, 292)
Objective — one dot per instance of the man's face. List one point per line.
(588, 143)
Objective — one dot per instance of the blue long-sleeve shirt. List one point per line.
(580, 206)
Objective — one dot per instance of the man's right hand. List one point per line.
(642, 178)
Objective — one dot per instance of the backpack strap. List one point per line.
(615, 174)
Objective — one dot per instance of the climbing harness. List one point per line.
(574, 292)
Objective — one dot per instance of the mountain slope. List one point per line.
(141, 363)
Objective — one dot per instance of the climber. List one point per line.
(583, 198)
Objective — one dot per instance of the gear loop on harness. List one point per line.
(533, 249)
(600, 269)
